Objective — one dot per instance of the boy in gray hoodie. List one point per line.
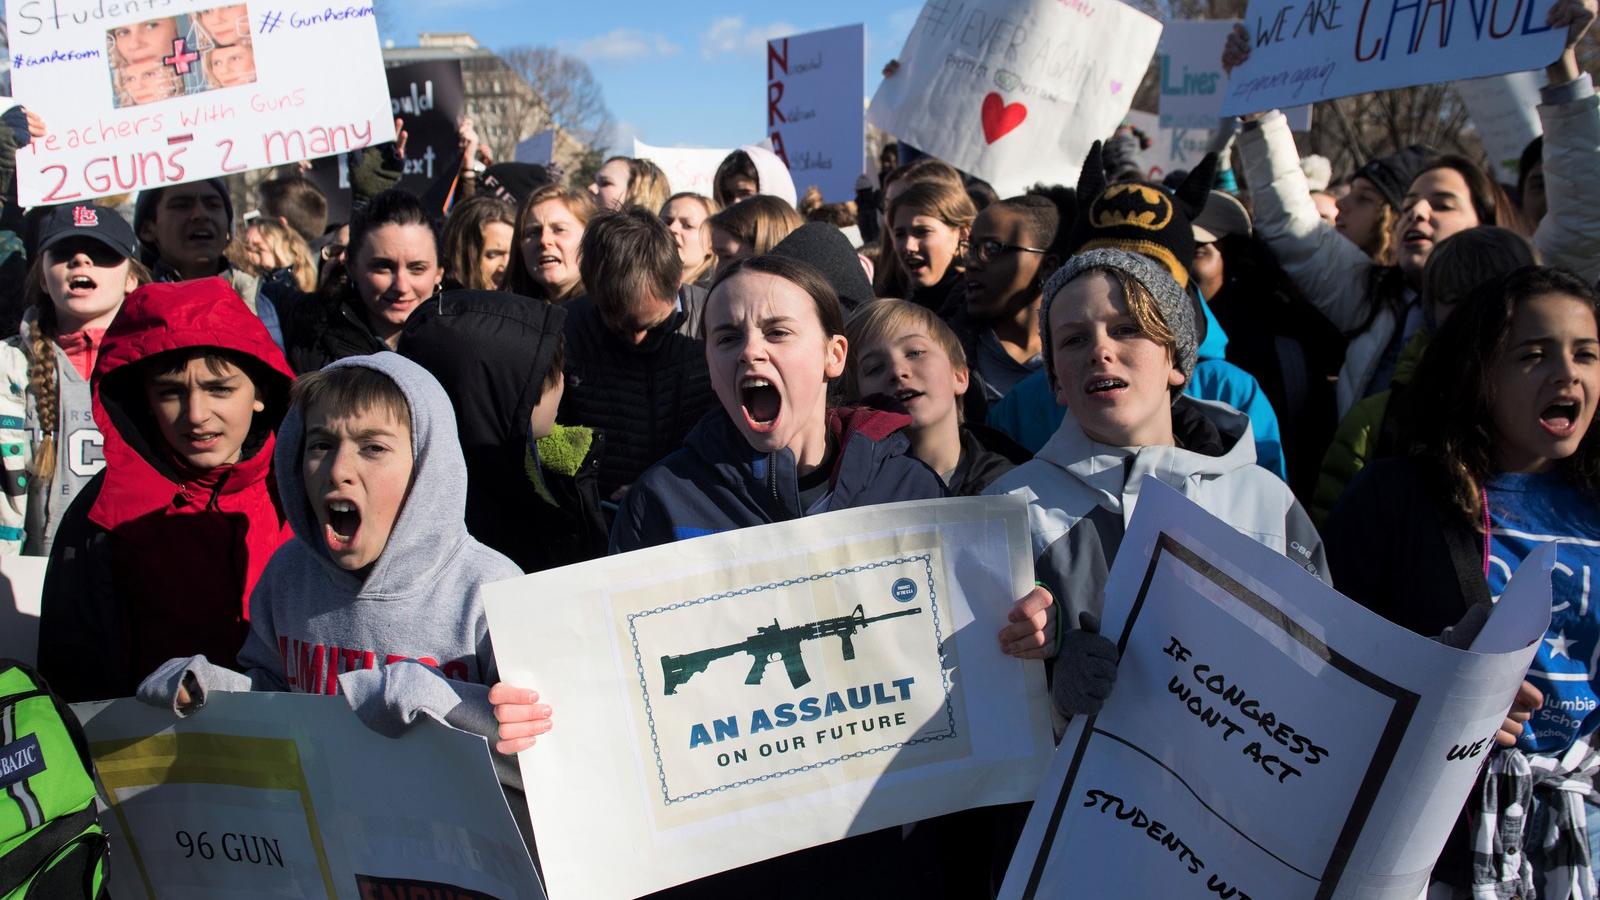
(377, 597)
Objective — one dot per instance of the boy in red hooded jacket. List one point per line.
(157, 556)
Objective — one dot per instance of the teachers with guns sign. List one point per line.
(136, 98)
(739, 696)
(1310, 50)
(1015, 91)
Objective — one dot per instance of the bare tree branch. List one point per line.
(568, 96)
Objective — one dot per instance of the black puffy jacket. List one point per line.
(492, 351)
(641, 399)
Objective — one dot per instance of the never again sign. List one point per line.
(1319, 49)
(1014, 91)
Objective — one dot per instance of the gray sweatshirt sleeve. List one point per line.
(160, 689)
(391, 699)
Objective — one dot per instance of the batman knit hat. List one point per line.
(1172, 304)
(1140, 216)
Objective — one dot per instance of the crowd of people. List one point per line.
(284, 453)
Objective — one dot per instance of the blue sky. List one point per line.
(673, 73)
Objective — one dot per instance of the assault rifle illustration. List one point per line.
(775, 641)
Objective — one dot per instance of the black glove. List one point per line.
(374, 170)
(1463, 633)
(1086, 668)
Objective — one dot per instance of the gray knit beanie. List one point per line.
(1172, 304)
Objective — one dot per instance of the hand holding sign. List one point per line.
(1576, 16)
(1032, 632)
(1528, 699)
(521, 716)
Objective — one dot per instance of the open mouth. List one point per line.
(81, 285)
(549, 261)
(915, 262)
(201, 235)
(1105, 386)
(762, 403)
(201, 441)
(343, 523)
(1414, 236)
(905, 395)
(1560, 418)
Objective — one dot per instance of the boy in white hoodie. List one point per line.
(1119, 338)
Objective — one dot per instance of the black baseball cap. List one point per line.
(100, 223)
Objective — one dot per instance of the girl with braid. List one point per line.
(49, 444)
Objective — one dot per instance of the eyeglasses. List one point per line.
(990, 250)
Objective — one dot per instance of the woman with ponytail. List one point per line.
(49, 444)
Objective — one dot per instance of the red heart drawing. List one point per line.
(999, 118)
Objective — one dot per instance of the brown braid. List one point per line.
(43, 383)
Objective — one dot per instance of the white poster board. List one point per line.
(1015, 91)
(1320, 49)
(815, 121)
(289, 795)
(21, 585)
(1191, 80)
(731, 698)
(689, 169)
(1504, 112)
(539, 149)
(1267, 737)
(136, 100)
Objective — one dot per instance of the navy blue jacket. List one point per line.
(718, 482)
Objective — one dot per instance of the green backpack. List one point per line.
(51, 843)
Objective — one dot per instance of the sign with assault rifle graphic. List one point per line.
(739, 696)
(775, 641)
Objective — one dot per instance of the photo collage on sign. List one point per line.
(177, 56)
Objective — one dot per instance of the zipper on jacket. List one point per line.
(772, 478)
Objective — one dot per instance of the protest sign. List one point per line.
(1015, 91)
(738, 696)
(21, 584)
(815, 83)
(289, 795)
(1314, 50)
(692, 169)
(430, 99)
(1191, 80)
(202, 91)
(332, 177)
(539, 150)
(1171, 149)
(1504, 112)
(1267, 737)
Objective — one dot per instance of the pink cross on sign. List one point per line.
(180, 58)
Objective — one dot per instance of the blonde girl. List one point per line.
(929, 222)
(544, 250)
(271, 246)
(751, 227)
(688, 217)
